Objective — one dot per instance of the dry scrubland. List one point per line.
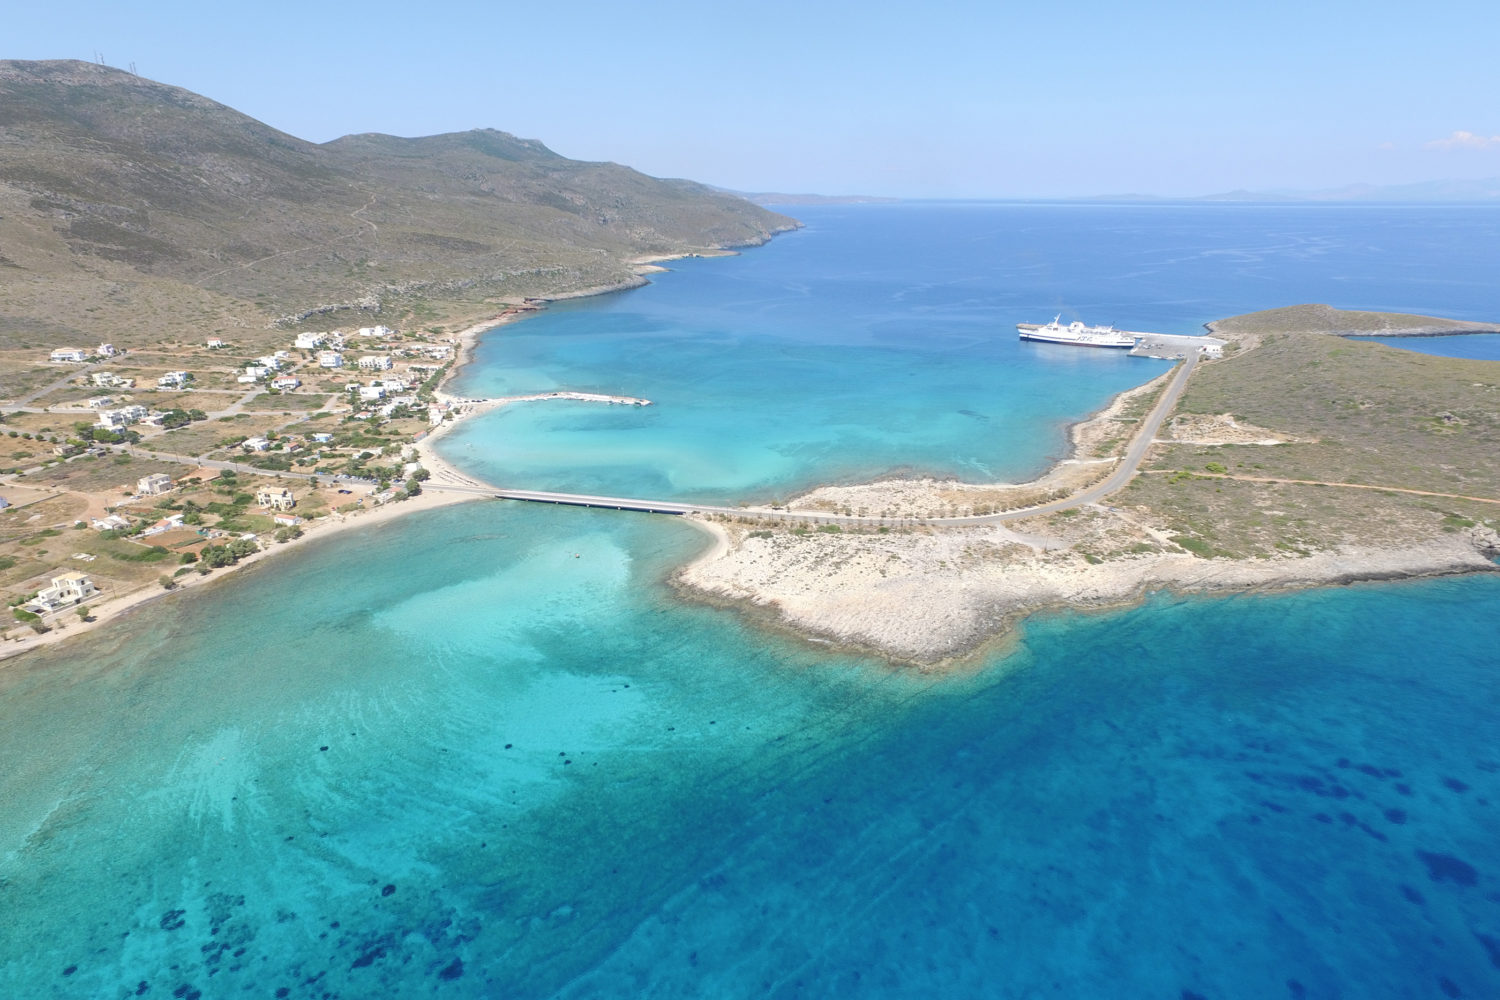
(1358, 413)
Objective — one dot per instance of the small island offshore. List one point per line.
(1298, 459)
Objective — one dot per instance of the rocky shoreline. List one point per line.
(931, 599)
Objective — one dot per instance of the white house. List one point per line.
(154, 485)
(69, 354)
(106, 351)
(174, 380)
(376, 362)
(67, 588)
(310, 341)
(369, 393)
(322, 438)
(169, 523)
(275, 497)
(285, 520)
(257, 371)
(285, 382)
(330, 359)
(256, 444)
(397, 401)
(375, 331)
(270, 361)
(123, 417)
(110, 522)
(99, 402)
(214, 343)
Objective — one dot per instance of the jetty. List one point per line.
(1172, 347)
(585, 397)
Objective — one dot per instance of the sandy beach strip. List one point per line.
(110, 608)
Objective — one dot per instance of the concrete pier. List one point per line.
(1172, 346)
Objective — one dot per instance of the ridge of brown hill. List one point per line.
(128, 204)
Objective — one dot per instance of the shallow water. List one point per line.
(484, 751)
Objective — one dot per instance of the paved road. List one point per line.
(1122, 474)
(73, 371)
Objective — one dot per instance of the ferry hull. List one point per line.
(1042, 338)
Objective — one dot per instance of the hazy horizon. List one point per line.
(1177, 101)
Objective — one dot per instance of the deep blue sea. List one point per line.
(485, 751)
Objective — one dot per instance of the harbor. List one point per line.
(1167, 346)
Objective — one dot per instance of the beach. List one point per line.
(110, 608)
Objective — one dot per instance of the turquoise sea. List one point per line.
(485, 751)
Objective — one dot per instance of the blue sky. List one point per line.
(943, 100)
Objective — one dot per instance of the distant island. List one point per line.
(771, 198)
(1461, 192)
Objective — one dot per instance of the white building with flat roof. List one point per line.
(69, 354)
(276, 498)
(114, 420)
(376, 362)
(330, 359)
(67, 588)
(154, 485)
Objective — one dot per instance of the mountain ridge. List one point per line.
(134, 198)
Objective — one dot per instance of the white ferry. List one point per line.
(1076, 333)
